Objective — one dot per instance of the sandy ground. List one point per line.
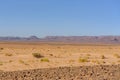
(16, 56)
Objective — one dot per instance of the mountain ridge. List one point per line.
(72, 39)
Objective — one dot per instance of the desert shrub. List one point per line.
(88, 55)
(96, 61)
(8, 54)
(45, 60)
(103, 57)
(1, 48)
(83, 60)
(51, 54)
(1, 63)
(117, 56)
(37, 55)
(21, 61)
(103, 62)
(119, 61)
(10, 61)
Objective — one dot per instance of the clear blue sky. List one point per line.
(59, 17)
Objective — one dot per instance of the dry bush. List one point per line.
(81, 60)
(23, 62)
(1, 48)
(10, 61)
(51, 54)
(1, 63)
(37, 55)
(96, 61)
(45, 60)
(103, 62)
(103, 57)
(8, 54)
(117, 56)
(88, 55)
(118, 61)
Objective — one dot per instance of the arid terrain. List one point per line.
(59, 61)
(16, 56)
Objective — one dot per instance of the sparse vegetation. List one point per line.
(103, 62)
(45, 60)
(96, 61)
(21, 61)
(8, 54)
(1, 48)
(37, 55)
(88, 55)
(103, 57)
(1, 63)
(117, 56)
(119, 61)
(10, 61)
(81, 60)
(51, 54)
(32, 56)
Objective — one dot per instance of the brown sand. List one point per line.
(16, 56)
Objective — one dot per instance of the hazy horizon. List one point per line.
(59, 18)
(56, 35)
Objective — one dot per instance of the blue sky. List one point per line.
(59, 17)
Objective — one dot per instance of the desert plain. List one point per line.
(16, 56)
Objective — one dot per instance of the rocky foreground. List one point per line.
(98, 72)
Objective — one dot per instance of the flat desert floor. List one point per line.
(15, 56)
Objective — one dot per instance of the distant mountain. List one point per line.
(70, 39)
(18, 38)
(84, 39)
